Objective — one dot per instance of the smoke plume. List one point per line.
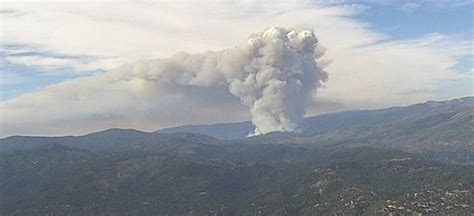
(272, 73)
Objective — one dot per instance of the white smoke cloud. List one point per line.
(371, 69)
(273, 73)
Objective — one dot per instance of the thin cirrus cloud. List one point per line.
(366, 68)
(51, 63)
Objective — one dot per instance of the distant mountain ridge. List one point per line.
(446, 127)
(439, 130)
(107, 140)
(326, 122)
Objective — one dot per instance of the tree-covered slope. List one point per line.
(56, 179)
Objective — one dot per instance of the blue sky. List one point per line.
(407, 22)
(400, 22)
(17, 79)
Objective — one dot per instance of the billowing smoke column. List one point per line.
(273, 73)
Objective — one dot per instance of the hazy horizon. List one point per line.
(223, 122)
